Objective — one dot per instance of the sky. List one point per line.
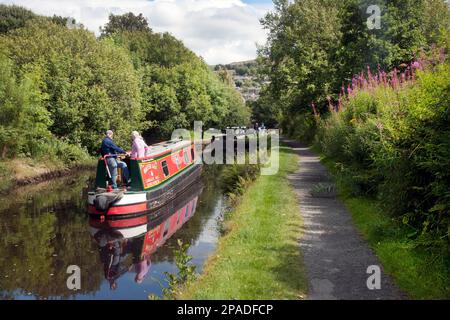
(221, 31)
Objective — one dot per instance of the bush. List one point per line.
(393, 142)
(236, 178)
(62, 88)
(300, 126)
(24, 121)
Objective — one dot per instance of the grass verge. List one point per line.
(259, 257)
(420, 271)
(13, 170)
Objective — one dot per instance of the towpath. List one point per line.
(335, 255)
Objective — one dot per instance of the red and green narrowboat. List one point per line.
(168, 219)
(169, 168)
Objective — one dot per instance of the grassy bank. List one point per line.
(259, 257)
(17, 170)
(418, 268)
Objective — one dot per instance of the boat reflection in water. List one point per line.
(126, 245)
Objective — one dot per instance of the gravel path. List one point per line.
(335, 255)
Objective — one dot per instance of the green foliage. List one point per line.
(225, 76)
(61, 88)
(236, 178)
(421, 270)
(148, 48)
(406, 27)
(300, 126)
(245, 68)
(13, 17)
(298, 58)
(324, 190)
(24, 120)
(174, 97)
(125, 22)
(89, 85)
(394, 143)
(315, 46)
(178, 87)
(265, 110)
(186, 273)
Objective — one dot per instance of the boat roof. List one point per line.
(162, 147)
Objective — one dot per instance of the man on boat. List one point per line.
(111, 150)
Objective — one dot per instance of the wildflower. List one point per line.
(394, 79)
(349, 90)
(415, 65)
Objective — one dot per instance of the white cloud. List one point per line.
(221, 31)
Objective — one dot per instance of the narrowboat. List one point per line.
(169, 168)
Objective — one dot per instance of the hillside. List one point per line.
(244, 76)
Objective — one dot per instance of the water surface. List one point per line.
(45, 228)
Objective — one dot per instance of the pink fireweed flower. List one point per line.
(384, 78)
(364, 83)
(415, 65)
(349, 90)
(394, 78)
(354, 83)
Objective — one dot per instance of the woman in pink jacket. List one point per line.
(140, 148)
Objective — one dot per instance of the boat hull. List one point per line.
(141, 202)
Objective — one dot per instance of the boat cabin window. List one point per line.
(192, 154)
(165, 168)
(186, 158)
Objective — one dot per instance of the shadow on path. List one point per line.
(335, 255)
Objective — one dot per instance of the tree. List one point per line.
(225, 76)
(177, 86)
(62, 88)
(125, 22)
(88, 85)
(147, 47)
(303, 38)
(13, 17)
(24, 121)
(314, 47)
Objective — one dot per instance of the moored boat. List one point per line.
(168, 169)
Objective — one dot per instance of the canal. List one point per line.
(44, 229)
